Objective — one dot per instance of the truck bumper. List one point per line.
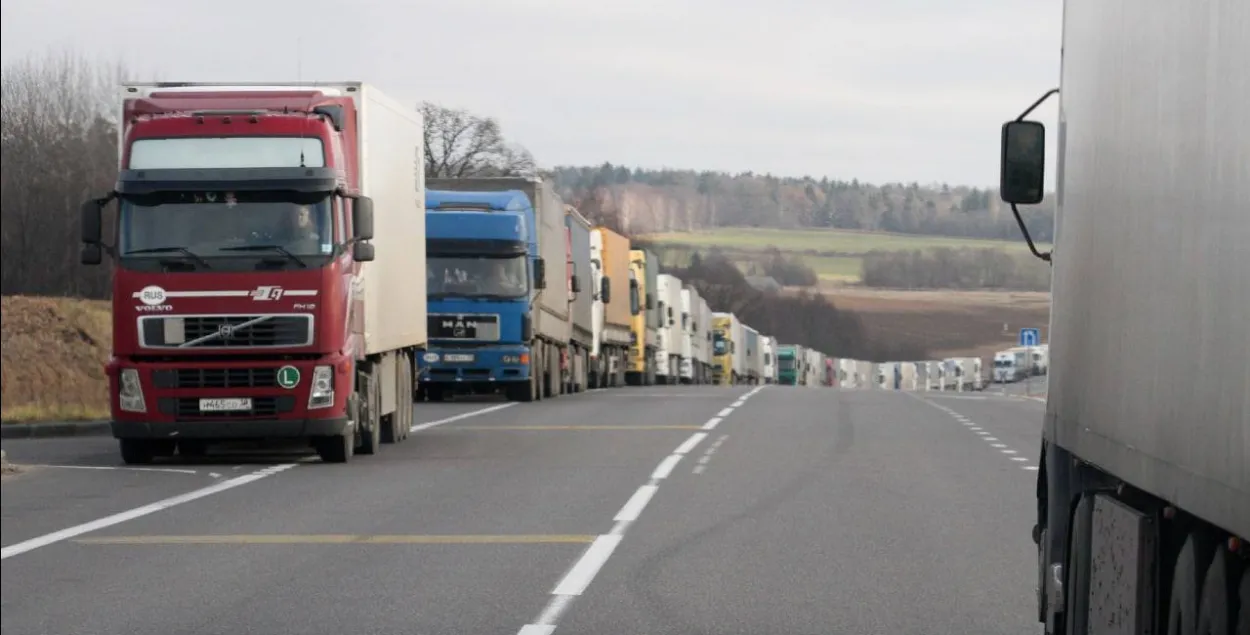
(438, 365)
(231, 430)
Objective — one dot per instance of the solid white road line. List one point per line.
(583, 572)
(138, 512)
(690, 443)
(666, 467)
(636, 503)
(579, 577)
(472, 413)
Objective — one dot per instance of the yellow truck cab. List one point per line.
(724, 372)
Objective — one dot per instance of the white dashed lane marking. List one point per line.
(981, 433)
(583, 572)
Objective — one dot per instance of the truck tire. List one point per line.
(137, 451)
(1243, 613)
(1215, 609)
(1076, 587)
(192, 448)
(368, 422)
(392, 424)
(1187, 575)
(335, 449)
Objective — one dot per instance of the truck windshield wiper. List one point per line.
(171, 250)
(275, 248)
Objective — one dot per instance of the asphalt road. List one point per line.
(681, 510)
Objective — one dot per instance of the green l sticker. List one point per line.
(288, 377)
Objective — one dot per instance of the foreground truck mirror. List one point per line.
(90, 218)
(362, 218)
(576, 284)
(605, 290)
(1023, 162)
(540, 273)
(362, 252)
(650, 302)
(91, 254)
(90, 214)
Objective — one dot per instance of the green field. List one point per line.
(834, 254)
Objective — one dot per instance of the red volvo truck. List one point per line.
(269, 267)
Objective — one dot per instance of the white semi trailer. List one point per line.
(1143, 491)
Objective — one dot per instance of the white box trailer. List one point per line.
(1143, 491)
(669, 334)
(704, 329)
(690, 347)
(768, 353)
(814, 367)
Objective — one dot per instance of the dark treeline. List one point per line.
(685, 200)
(946, 268)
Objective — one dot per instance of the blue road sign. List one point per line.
(1030, 337)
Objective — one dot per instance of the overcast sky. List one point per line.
(892, 90)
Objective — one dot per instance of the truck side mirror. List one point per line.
(362, 252)
(92, 229)
(92, 226)
(605, 290)
(540, 273)
(634, 309)
(1021, 180)
(91, 254)
(362, 218)
(650, 302)
(576, 284)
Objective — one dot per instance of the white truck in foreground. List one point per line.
(1143, 491)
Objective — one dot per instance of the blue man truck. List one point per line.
(498, 302)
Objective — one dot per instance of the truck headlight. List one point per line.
(322, 393)
(130, 392)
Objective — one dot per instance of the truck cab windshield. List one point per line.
(785, 363)
(221, 225)
(476, 277)
(719, 345)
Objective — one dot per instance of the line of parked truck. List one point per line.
(283, 269)
(527, 298)
(1020, 363)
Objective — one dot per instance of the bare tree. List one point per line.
(58, 146)
(460, 144)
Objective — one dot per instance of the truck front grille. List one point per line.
(226, 331)
(463, 326)
(215, 378)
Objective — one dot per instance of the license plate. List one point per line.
(457, 357)
(225, 405)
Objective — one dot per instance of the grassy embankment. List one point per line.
(53, 354)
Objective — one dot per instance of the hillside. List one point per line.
(54, 351)
(662, 201)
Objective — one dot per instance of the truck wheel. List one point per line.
(1243, 615)
(1187, 575)
(390, 430)
(137, 451)
(192, 448)
(1215, 609)
(368, 423)
(336, 449)
(1076, 585)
